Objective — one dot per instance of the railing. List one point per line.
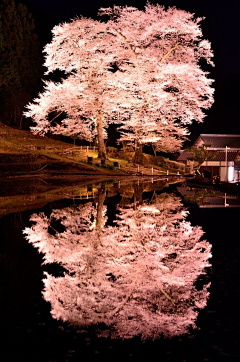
(88, 153)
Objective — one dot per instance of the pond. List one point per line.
(120, 270)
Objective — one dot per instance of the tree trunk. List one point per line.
(138, 193)
(100, 202)
(138, 156)
(101, 144)
(154, 149)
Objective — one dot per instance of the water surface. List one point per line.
(129, 271)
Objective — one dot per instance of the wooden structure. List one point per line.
(223, 156)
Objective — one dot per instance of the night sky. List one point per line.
(221, 27)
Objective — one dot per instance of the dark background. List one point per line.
(221, 27)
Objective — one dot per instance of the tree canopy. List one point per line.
(139, 69)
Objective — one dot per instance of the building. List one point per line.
(223, 156)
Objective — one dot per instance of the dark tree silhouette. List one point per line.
(20, 61)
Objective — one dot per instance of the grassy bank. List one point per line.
(23, 153)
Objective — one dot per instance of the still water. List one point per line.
(136, 271)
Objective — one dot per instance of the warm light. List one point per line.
(230, 173)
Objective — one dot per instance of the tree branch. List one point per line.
(127, 299)
(169, 52)
(166, 295)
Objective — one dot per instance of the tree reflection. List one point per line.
(137, 277)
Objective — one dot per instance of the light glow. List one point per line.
(230, 173)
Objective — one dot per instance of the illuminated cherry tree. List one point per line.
(137, 277)
(91, 94)
(165, 47)
(139, 69)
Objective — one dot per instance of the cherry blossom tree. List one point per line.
(137, 277)
(169, 86)
(88, 96)
(139, 69)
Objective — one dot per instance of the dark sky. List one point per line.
(221, 26)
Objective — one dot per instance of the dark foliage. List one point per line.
(20, 61)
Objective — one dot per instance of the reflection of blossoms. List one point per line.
(64, 236)
(138, 277)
